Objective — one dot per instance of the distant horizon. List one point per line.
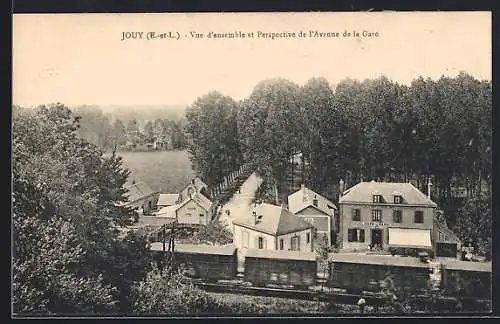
(79, 59)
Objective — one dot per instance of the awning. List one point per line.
(410, 237)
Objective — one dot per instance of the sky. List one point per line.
(81, 59)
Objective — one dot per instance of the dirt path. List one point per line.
(240, 204)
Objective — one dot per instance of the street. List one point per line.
(239, 205)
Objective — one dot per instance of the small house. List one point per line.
(315, 209)
(271, 227)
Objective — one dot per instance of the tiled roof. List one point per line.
(167, 199)
(168, 211)
(363, 192)
(197, 248)
(285, 255)
(275, 220)
(304, 197)
(138, 191)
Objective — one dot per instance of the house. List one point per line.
(271, 227)
(141, 197)
(446, 241)
(194, 210)
(384, 215)
(195, 186)
(165, 200)
(315, 209)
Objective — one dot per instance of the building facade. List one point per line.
(272, 227)
(383, 215)
(194, 210)
(315, 209)
(141, 197)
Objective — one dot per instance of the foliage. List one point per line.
(213, 137)
(66, 202)
(214, 233)
(161, 293)
(474, 225)
(396, 299)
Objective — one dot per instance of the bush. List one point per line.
(161, 293)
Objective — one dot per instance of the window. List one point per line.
(282, 244)
(202, 218)
(398, 199)
(376, 215)
(261, 243)
(295, 243)
(315, 202)
(356, 214)
(419, 216)
(377, 199)
(355, 235)
(308, 238)
(397, 216)
(245, 238)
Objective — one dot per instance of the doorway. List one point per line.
(376, 238)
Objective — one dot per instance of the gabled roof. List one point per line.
(167, 199)
(197, 183)
(275, 220)
(198, 198)
(443, 228)
(168, 211)
(363, 191)
(304, 197)
(138, 191)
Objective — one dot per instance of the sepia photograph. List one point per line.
(251, 164)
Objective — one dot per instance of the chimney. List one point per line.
(341, 188)
(304, 192)
(429, 184)
(315, 201)
(254, 214)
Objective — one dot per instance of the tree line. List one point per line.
(135, 134)
(437, 130)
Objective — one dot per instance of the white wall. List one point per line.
(190, 214)
(304, 246)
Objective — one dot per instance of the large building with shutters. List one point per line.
(383, 215)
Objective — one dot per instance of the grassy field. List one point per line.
(164, 171)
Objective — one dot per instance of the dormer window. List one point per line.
(398, 199)
(377, 199)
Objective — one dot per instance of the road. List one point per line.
(240, 204)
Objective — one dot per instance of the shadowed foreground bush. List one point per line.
(163, 294)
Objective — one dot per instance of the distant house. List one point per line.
(165, 200)
(385, 215)
(195, 186)
(141, 197)
(271, 227)
(315, 209)
(194, 210)
(446, 241)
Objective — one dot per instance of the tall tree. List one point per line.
(213, 136)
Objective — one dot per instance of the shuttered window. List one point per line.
(355, 235)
